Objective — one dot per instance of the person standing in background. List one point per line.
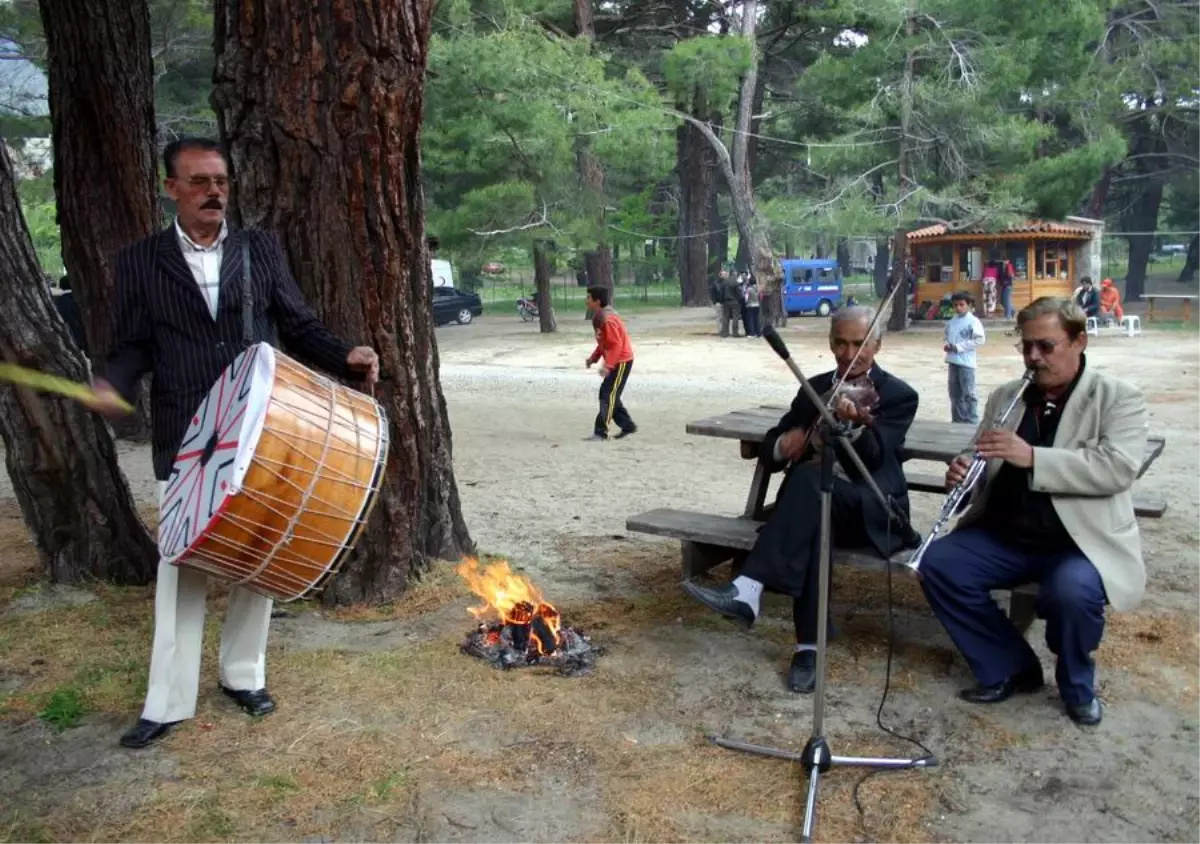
(964, 333)
(753, 307)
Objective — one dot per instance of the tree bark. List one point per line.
(102, 117)
(320, 105)
(883, 253)
(61, 458)
(695, 171)
(1192, 263)
(1142, 218)
(541, 281)
(598, 262)
(898, 317)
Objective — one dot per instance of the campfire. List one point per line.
(517, 628)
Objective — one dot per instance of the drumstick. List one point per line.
(49, 383)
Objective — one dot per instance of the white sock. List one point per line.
(800, 648)
(749, 592)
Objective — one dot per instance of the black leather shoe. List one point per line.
(724, 600)
(144, 733)
(1086, 714)
(256, 703)
(802, 676)
(1026, 682)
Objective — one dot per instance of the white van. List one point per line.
(443, 275)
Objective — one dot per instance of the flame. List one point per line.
(511, 598)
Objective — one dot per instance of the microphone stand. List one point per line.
(817, 757)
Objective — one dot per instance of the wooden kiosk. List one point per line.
(1046, 257)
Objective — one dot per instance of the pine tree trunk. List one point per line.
(541, 281)
(897, 319)
(102, 118)
(320, 105)
(693, 159)
(61, 458)
(598, 262)
(1192, 262)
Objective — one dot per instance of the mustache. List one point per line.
(215, 204)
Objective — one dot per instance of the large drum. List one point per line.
(275, 478)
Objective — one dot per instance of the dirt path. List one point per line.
(385, 733)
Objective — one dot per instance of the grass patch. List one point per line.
(63, 709)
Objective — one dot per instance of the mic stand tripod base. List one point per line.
(817, 758)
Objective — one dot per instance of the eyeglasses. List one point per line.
(1044, 346)
(204, 182)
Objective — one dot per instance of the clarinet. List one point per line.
(962, 489)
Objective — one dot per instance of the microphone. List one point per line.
(776, 342)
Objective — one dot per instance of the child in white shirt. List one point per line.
(964, 333)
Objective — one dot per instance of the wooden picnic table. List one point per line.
(1185, 297)
(926, 440)
(709, 539)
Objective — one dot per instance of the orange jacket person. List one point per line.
(1110, 301)
(612, 344)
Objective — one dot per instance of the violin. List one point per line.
(859, 391)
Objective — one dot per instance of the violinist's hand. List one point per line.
(792, 443)
(847, 410)
(956, 471)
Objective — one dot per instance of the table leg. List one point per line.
(1150, 313)
(1187, 310)
(758, 490)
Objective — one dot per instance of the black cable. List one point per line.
(887, 684)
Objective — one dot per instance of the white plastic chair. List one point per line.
(1132, 325)
(1093, 326)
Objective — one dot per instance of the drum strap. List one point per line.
(247, 294)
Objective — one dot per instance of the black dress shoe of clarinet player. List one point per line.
(802, 673)
(144, 733)
(1028, 681)
(724, 600)
(255, 703)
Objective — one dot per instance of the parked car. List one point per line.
(451, 305)
(811, 285)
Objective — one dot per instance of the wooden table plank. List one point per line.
(926, 440)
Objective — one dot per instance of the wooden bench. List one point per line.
(1184, 298)
(709, 540)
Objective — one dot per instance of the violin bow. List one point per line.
(839, 381)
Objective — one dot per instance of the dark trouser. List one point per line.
(785, 557)
(753, 322)
(1006, 301)
(964, 407)
(960, 571)
(730, 312)
(611, 408)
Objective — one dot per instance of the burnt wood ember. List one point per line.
(512, 646)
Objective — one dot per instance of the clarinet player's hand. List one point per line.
(1006, 446)
(956, 471)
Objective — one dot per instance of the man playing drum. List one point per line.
(179, 316)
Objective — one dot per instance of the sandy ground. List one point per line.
(535, 492)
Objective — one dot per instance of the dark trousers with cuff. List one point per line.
(959, 573)
(611, 408)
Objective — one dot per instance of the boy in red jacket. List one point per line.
(612, 343)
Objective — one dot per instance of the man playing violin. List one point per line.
(1055, 508)
(880, 408)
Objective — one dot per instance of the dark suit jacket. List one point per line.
(879, 447)
(69, 311)
(164, 327)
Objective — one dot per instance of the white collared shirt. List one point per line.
(205, 263)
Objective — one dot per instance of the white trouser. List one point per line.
(179, 636)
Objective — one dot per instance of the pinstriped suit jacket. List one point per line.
(164, 327)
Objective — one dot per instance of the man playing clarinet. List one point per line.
(179, 316)
(785, 558)
(1055, 509)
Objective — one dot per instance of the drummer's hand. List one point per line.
(105, 400)
(956, 471)
(364, 359)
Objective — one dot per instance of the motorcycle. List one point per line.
(527, 308)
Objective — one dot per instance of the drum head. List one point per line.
(216, 452)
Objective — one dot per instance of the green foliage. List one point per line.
(707, 69)
(41, 218)
(63, 709)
